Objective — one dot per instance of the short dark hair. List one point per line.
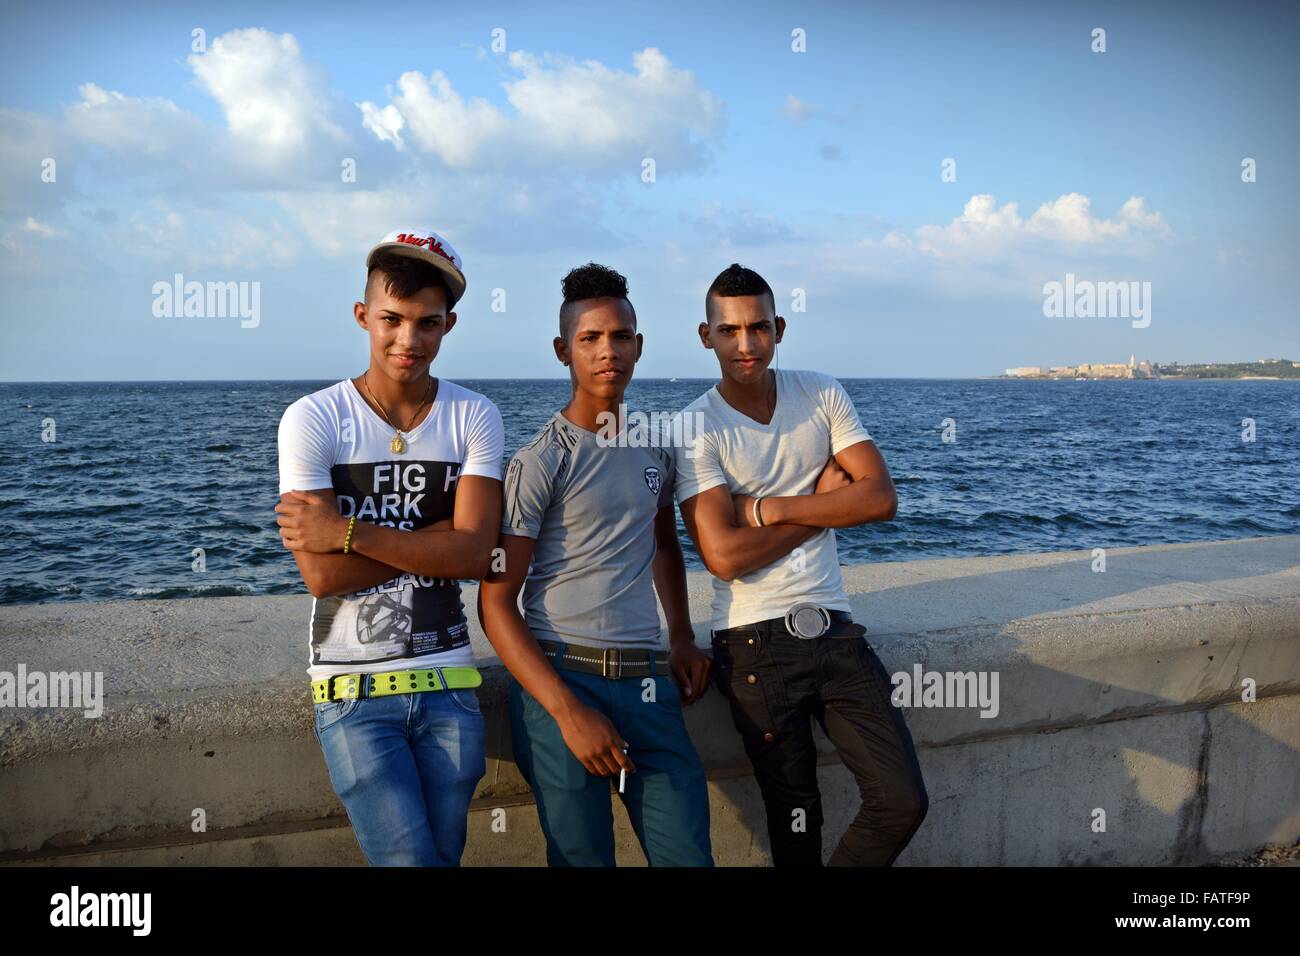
(738, 280)
(591, 281)
(404, 276)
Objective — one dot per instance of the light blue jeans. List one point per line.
(405, 767)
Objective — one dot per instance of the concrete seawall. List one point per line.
(1120, 702)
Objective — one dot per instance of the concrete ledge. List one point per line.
(1118, 691)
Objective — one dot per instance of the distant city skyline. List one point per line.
(1146, 369)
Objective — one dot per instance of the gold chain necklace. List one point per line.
(398, 444)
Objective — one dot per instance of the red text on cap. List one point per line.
(434, 245)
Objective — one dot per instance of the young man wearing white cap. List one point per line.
(390, 491)
(761, 500)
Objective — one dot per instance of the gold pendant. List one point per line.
(398, 444)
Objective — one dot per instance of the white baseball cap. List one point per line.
(427, 245)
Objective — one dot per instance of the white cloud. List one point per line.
(1070, 218)
(278, 130)
(261, 190)
(192, 238)
(1134, 212)
(274, 102)
(588, 106)
(477, 212)
(149, 126)
(439, 120)
(276, 106)
(992, 252)
(985, 229)
(584, 115)
(386, 123)
(507, 169)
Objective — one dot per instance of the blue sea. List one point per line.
(141, 474)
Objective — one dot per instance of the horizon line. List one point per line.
(475, 378)
(466, 378)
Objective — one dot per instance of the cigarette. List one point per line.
(622, 775)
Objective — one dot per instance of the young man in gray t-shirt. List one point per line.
(760, 500)
(590, 507)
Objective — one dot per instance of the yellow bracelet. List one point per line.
(347, 539)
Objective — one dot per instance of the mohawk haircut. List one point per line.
(737, 280)
(591, 281)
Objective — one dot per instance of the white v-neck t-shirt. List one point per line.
(813, 420)
(331, 439)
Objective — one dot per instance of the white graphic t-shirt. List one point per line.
(332, 439)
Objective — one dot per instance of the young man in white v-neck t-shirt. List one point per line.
(761, 501)
(390, 490)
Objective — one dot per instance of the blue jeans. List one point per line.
(667, 798)
(405, 767)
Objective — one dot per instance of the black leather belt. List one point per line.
(840, 624)
(609, 662)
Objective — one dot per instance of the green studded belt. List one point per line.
(386, 683)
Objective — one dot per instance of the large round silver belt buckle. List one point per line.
(807, 621)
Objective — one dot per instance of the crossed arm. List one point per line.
(855, 488)
(458, 547)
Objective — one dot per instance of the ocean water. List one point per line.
(141, 474)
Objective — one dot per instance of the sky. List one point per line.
(907, 177)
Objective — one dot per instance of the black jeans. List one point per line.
(776, 685)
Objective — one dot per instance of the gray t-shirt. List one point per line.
(814, 419)
(591, 508)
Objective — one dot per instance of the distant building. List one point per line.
(1133, 369)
